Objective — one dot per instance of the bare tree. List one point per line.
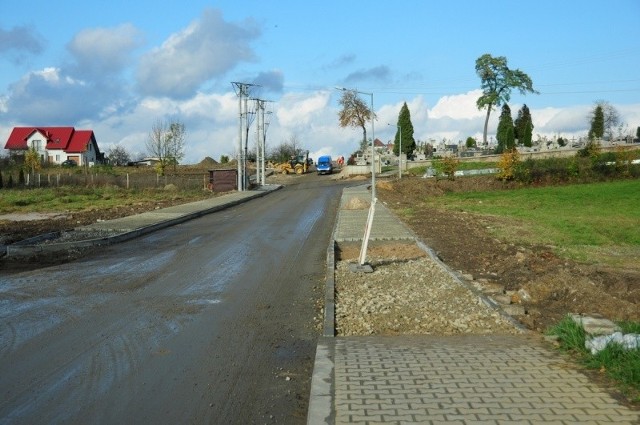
(285, 150)
(612, 118)
(118, 155)
(166, 143)
(354, 113)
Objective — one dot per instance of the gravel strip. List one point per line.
(80, 235)
(410, 297)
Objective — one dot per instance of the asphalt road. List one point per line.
(210, 321)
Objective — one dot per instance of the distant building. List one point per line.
(56, 144)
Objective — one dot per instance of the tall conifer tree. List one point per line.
(505, 133)
(404, 124)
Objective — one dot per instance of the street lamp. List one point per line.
(367, 231)
(399, 151)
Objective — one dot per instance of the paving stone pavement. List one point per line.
(488, 379)
(350, 223)
(464, 380)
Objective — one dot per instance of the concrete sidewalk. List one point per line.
(493, 379)
(126, 228)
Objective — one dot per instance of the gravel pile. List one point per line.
(410, 297)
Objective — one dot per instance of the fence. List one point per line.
(127, 181)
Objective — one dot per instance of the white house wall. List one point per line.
(39, 142)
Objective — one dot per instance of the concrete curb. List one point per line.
(30, 247)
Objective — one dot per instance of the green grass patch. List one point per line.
(580, 220)
(620, 364)
(67, 198)
(476, 165)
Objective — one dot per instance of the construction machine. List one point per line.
(298, 164)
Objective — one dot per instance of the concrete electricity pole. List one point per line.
(242, 91)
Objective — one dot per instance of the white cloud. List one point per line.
(52, 96)
(88, 87)
(296, 110)
(207, 48)
(459, 106)
(104, 50)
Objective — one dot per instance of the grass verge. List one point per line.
(596, 222)
(68, 198)
(621, 365)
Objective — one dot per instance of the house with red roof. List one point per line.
(56, 144)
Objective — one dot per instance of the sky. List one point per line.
(119, 67)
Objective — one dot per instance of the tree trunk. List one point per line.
(364, 138)
(486, 125)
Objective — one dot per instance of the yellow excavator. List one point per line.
(298, 164)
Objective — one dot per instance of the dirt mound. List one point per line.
(356, 204)
(208, 162)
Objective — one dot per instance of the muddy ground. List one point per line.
(552, 286)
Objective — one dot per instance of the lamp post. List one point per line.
(399, 151)
(367, 230)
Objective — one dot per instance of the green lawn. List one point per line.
(598, 221)
(67, 198)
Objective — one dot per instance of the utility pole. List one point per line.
(261, 136)
(242, 91)
(260, 131)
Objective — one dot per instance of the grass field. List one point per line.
(598, 222)
(68, 198)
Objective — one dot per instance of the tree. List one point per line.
(354, 113)
(505, 133)
(524, 126)
(406, 127)
(610, 118)
(471, 142)
(176, 140)
(118, 155)
(596, 131)
(285, 150)
(32, 161)
(497, 81)
(224, 159)
(508, 164)
(166, 143)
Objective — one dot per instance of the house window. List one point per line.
(37, 144)
(57, 158)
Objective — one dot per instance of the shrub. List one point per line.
(591, 150)
(508, 164)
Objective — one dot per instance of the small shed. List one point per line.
(223, 180)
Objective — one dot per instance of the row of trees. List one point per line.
(497, 83)
(509, 130)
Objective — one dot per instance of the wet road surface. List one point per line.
(210, 321)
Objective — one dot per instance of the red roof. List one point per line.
(67, 139)
(79, 141)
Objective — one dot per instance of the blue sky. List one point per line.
(117, 67)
